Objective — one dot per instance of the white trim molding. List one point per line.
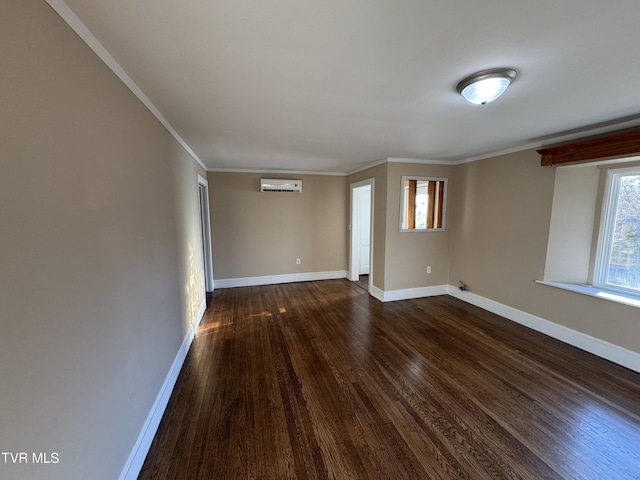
(611, 296)
(205, 231)
(408, 293)
(274, 279)
(596, 346)
(367, 166)
(376, 292)
(601, 348)
(275, 171)
(139, 452)
(423, 161)
(199, 315)
(400, 160)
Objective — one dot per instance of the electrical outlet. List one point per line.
(297, 261)
(429, 269)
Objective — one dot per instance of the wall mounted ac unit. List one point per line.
(273, 185)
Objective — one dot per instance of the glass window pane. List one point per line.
(421, 204)
(624, 263)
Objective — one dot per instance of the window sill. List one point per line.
(595, 292)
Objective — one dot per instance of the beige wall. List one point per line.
(500, 226)
(258, 234)
(97, 246)
(184, 177)
(400, 259)
(407, 254)
(572, 225)
(499, 239)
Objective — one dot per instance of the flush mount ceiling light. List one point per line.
(487, 85)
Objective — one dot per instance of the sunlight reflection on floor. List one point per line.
(599, 436)
(212, 327)
(262, 314)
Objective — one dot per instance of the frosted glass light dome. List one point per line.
(485, 86)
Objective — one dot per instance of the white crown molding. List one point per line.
(276, 171)
(338, 174)
(368, 166)
(420, 161)
(63, 10)
(402, 160)
(530, 146)
(551, 140)
(580, 134)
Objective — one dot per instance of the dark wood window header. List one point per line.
(618, 144)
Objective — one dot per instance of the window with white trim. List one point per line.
(617, 264)
(422, 204)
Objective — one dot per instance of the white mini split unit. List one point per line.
(272, 185)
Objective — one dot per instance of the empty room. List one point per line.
(319, 240)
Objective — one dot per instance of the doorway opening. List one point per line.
(205, 232)
(361, 244)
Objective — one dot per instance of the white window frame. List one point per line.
(605, 234)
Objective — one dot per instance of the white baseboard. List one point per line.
(408, 293)
(377, 293)
(596, 346)
(197, 318)
(273, 279)
(139, 452)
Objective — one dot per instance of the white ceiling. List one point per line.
(333, 85)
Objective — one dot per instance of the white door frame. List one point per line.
(205, 231)
(354, 268)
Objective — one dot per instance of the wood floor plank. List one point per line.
(318, 380)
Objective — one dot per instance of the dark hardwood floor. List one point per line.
(363, 282)
(318, 380)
